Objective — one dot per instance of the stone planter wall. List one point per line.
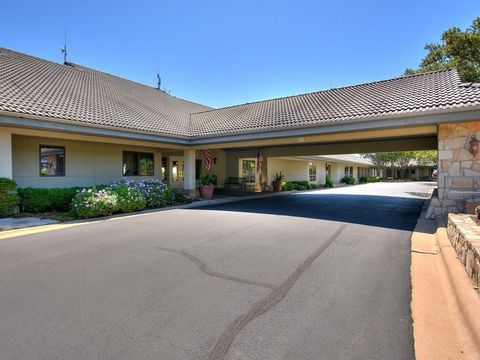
(458, 170)
(464, 234)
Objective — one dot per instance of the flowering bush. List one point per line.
(156, 193)
(123, 195)
(130, 195)
(93, 202)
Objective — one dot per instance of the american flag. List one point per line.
(207, 157)
(259, 161)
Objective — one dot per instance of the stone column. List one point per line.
(189, 172)
(6, 165)
(458, 169)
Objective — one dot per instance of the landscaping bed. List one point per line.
(64, 204)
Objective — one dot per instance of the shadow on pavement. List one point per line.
(393, 212)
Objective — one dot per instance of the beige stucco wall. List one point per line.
(218, 168)
(86, 163)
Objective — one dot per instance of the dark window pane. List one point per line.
(198, 168)
(146, 164)
(130, 163)
(52, 161)
(164, 168)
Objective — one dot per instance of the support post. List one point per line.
(189, 172)
(6, 163)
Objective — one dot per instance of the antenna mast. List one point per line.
(64, 49)
(159, 80)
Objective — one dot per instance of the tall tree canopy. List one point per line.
(460, 49)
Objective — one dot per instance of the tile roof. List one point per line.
(439, 90)
(33, 86)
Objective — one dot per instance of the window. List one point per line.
(248, 170)
(177, 170)
(312, 172)
(198, 168)
(137, 164)
(164, 168)
(52, 161)
(349, 171)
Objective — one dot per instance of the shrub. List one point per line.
(93, 202)
(314, 186)
(130, 196)
(368, 179)
(349, 180)
(37, 200)
(156, 193)
(8, 197)
(287, 186)
(328, 182)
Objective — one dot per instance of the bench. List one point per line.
(240, 181)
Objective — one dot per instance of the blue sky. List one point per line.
(221, 53)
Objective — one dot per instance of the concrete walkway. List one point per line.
(23, 222)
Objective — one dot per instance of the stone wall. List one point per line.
(458, 170)
(464, 234)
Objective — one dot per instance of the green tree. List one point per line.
(426, 158)
(379, 160)
(460, 49)
(401, 160)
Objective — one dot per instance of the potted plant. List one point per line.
(277, 181)
(206, 186)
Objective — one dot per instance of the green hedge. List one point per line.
(328, 182)
(368, 179)
(37, 200)
(8, 197)
(298, 185)
(349, 180)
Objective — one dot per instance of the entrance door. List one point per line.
(176, 172)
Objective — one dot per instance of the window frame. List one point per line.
(312, 175)
(138, 156)
(40, 160)
(240, 170)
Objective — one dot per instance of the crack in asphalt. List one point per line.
(204, 268)
(226, 338)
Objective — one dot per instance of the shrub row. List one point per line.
(368, 179)
(120, 196)
(8, 197)
(298, 185)
(37, 200)
(349, 180)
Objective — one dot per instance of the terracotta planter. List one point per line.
(277, 186)
(206, 191)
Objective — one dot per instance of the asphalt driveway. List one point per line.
(318, 275)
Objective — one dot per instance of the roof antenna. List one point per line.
(64, 49)
(159, 80)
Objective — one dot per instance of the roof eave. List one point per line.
(53, 124)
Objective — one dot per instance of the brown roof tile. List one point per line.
(33, 86)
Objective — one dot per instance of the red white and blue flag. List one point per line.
(207, 158)
(259, 161)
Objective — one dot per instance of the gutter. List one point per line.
(432, 117)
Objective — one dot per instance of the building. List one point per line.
(65, 125)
